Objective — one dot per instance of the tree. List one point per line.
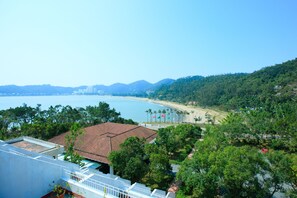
(230, 172)
(197, 119)
(71, 138)
(46, 124)
(147, 113)
(164, 115)
(166, 139)
(102, 113)
(272, 126)
(130, 162)
(220, 169)
(155, 115)
(178, 140)
(281, 168)
(293, 176)
(150, 113)
(160, 172)
(159, 115)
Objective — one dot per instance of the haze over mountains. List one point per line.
(230, 91)
(138, 88)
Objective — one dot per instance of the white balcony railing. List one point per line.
(106, 189)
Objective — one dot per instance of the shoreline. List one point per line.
(194, 111)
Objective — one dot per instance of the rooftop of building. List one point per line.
(36, 174)
(36, 145)
(98, 141)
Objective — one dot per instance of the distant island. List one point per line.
(139, 88)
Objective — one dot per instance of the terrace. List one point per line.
(36, 145)
(34, 174)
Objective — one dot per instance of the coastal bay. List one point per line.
(128, 107)
(193, 111)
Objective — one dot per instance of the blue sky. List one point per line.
(72, 43)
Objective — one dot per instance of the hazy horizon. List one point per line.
(74, 43)
(88, 85)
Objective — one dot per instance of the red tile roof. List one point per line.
(98, 141)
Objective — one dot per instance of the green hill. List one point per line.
(274, 84)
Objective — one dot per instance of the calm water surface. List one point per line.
(129, 108)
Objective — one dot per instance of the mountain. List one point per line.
(166, 81)
(135, 88)
(138, 88)
(34, 90)
(277, 84)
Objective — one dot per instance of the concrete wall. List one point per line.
(28, 176)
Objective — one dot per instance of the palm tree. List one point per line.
(172, 114)
(178, 116)
(159, 117)
(164, 115)
(185, 113)
(167, 115)
(150, 112)
(147, 112)
(155, 112)
(197, 119)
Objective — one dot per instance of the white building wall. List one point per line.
(27, 174)
(23, 177)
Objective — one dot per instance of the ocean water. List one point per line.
(128, 107)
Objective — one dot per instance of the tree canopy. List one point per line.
(70, 154)
(231, 162)
(151, 163)
(178, 140)
(45, 124)
(130, 161)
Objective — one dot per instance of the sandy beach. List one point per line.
(193, 111)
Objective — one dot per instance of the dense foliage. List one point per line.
(270, 126)
(252, 153)
(276, 84)
(130, 161)
(159, 174)
(178, 141)
(45, 124)
(150, 163)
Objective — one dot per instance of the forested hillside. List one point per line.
(273, 84)
(252, 152)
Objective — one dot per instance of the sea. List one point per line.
(129, 108)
